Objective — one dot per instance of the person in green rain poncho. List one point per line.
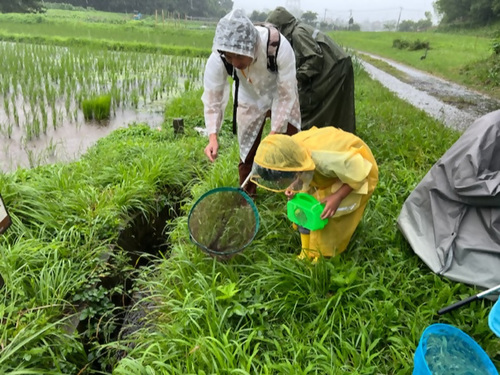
(324, 73)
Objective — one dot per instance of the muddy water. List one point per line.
(44, 88)
(434, 95)
(69, 141)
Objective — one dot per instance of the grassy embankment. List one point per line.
(108, 31)
(466, 59)
(69, 266)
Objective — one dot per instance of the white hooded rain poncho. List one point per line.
(260, 90)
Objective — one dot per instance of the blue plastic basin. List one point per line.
(444, 350)
(494, 318)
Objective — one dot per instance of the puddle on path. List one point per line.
(431, 93)
(70, 140)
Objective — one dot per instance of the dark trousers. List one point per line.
(245, 167)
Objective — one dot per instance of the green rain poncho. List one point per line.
(324, 73)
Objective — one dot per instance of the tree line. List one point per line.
(468, 12)
(452, 12)
(182, 8)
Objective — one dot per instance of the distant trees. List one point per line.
(390, 25)
(20, 6)
(309, 17)
(192, 8)
(257, 16)
(420, 25)
(468, 12)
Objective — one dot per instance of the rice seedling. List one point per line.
(97, 108)
(62, 77)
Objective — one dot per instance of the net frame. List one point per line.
(219, 190)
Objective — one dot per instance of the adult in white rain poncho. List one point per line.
(261, 93)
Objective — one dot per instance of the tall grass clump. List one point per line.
(65, 272)
(97, 108)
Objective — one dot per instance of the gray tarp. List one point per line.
(452, 218)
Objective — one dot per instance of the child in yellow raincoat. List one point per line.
(334, 166)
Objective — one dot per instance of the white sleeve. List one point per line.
(216, 93)
(287, 94)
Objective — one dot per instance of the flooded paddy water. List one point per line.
(43, 87)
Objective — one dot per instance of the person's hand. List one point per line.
(332, 202)
(212, 147)
(272, 132)
(289, 193)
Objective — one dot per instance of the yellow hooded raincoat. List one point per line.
(338, 157)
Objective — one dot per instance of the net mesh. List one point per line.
(223, 221)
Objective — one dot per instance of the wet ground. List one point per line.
(454, 105)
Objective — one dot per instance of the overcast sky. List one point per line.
(361, 10)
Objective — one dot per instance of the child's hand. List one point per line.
(289, 194)
(332, 203)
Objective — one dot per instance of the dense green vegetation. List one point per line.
(199, 8)
(263, 311)
(101, 277)
(468, 12)
(21, 6)
(107, 30)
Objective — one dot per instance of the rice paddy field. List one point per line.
(99, 275)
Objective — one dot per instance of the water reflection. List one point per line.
(67, 142)
(42, 89)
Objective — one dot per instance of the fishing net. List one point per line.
(223, 221)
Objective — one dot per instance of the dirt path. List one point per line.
(454, 105)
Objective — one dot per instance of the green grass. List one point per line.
(67, 273)
(261, 312)
(61, 253)
(266, 312)
(80, 28)
(464, 59)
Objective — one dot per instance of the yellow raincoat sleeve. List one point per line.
(349, 166)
